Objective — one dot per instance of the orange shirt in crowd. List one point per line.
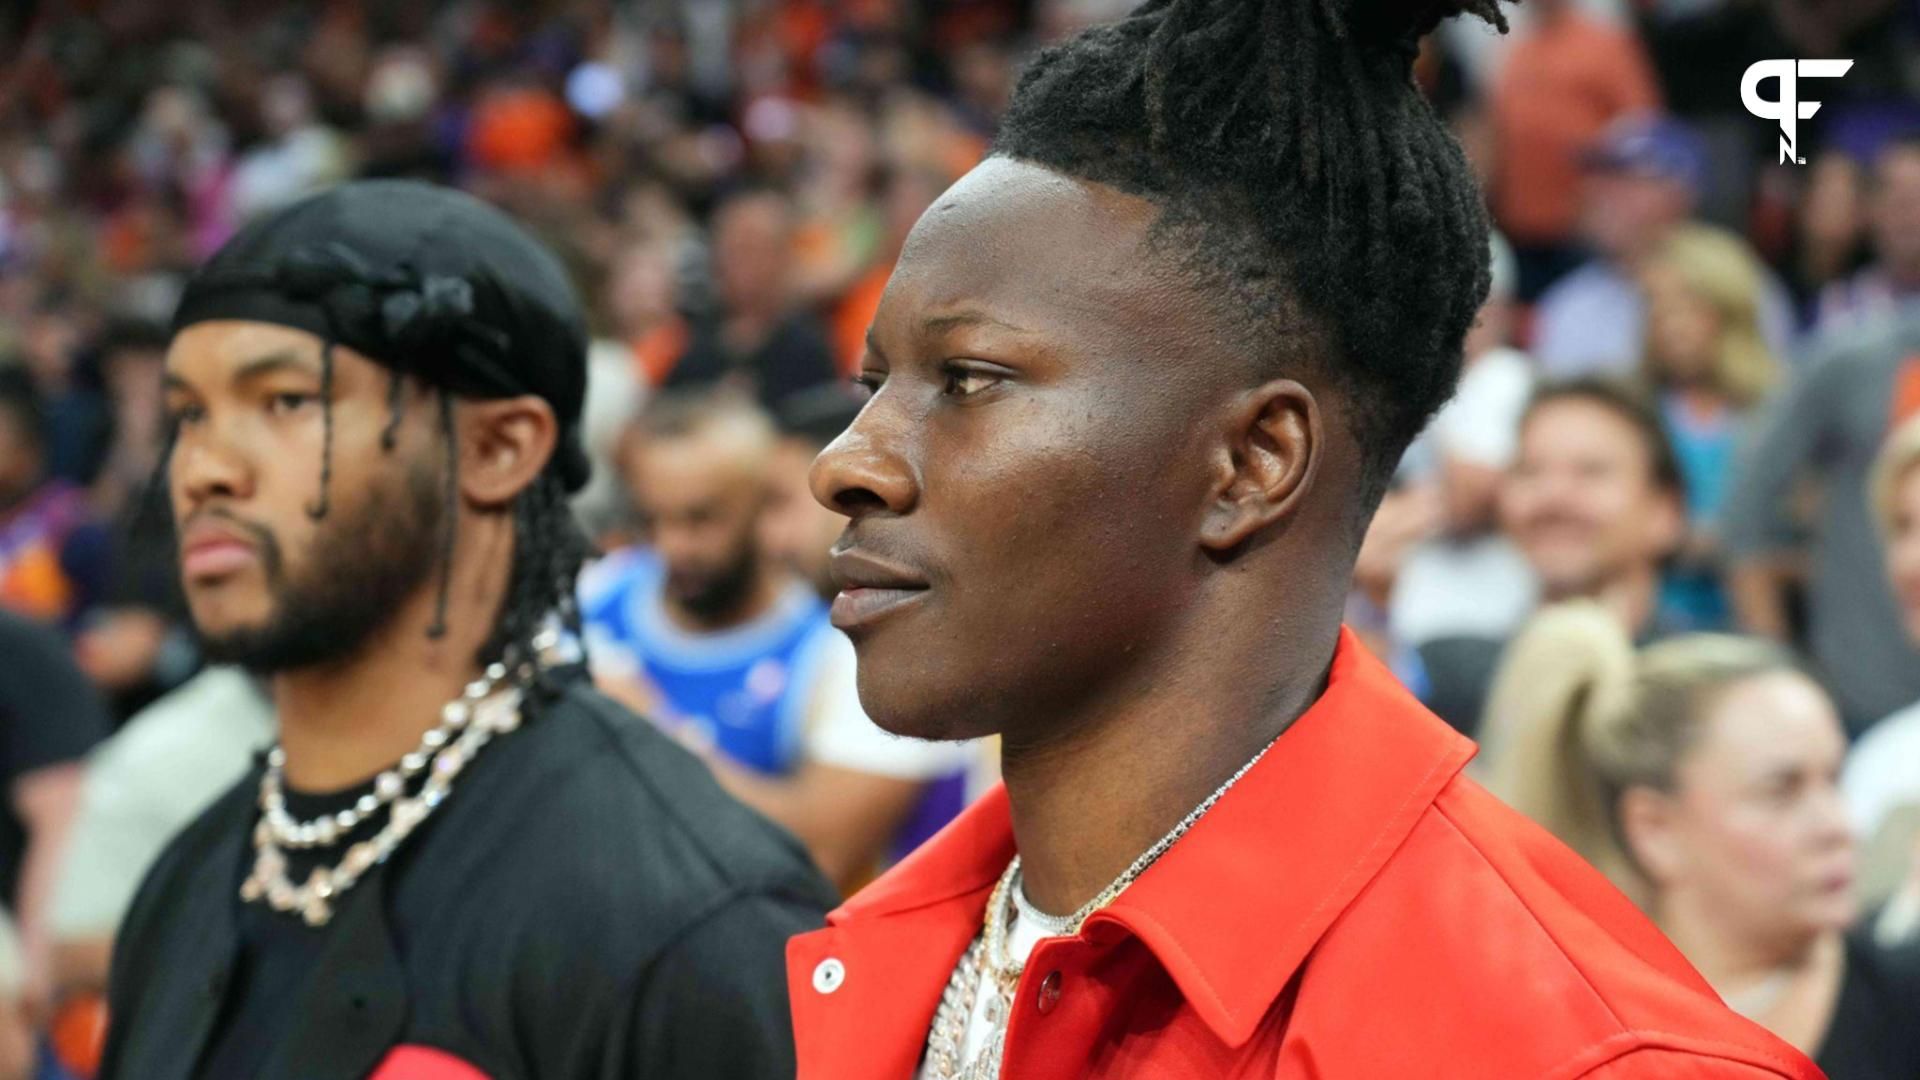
(1563, 81)
(657, 351)
(1353, 907)
(854, 313)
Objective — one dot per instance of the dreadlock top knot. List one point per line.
(1301, 176)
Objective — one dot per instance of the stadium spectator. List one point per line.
(56, 557)
(1882, 781)
(1596, 501)
(1709, 364)
(1643, 178)
(1824, 432)
(1565, 77)
(1892, 211)
(145, 783)
(1702, 775)
(757, 339)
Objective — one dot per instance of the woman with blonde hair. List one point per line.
(1701, 774)
(1708, 363)
(1882, 778)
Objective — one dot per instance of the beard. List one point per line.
(365, 564)
(713, 597)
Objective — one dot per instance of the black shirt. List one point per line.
(586, 903)
(1875, 1033)
(276, 951)
(50, 714)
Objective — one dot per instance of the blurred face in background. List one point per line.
(1625, 214)
(702, 495)
(1893, 211)
(1582, 501)
(640, 289)
(1683, 328)
(1754, 830)
(752, 250)
(795, 528)
(1903, 549)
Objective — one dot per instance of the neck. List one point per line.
(1168, 740)
(342, 723)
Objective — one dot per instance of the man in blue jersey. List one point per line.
(731, 650)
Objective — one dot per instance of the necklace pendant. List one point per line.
(316, 911)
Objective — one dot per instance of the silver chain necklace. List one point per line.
(988, 961)
(489, 707)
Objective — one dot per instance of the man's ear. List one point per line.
(1268, 454)
(504, 444)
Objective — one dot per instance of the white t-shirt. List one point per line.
(146, 783)
(1883, 770)
(1480, 586)
(1022, 936)
(842, 735)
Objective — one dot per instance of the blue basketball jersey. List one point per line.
(745, 691)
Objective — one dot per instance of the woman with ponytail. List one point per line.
(1139, 381)
(1701, 775)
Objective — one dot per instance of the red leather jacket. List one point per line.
(1353, 908)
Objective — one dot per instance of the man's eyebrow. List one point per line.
(274, 363)
(940, 324)
(271, 363)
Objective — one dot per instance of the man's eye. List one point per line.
(184, 416)
(867, 384)
(289, 403)
(964, 382)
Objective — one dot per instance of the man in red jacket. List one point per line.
(1140, 380)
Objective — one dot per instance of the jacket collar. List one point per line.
(1233, 909)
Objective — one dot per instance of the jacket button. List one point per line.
(1049, 994)
(829, 975)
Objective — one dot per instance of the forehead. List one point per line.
(1067, 259)
(696, 466)
(1578, 425)
(209, 352)
(1772, 722)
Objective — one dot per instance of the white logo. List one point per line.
(1789, 110)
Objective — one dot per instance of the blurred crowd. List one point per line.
(1661, 553)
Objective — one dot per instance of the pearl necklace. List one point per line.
(987, 959)
(483, 711)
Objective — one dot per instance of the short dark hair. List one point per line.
(1630, 402)
(1298, 171)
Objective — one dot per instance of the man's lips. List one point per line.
(207, 553)
(858, 607)
(870, 587)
